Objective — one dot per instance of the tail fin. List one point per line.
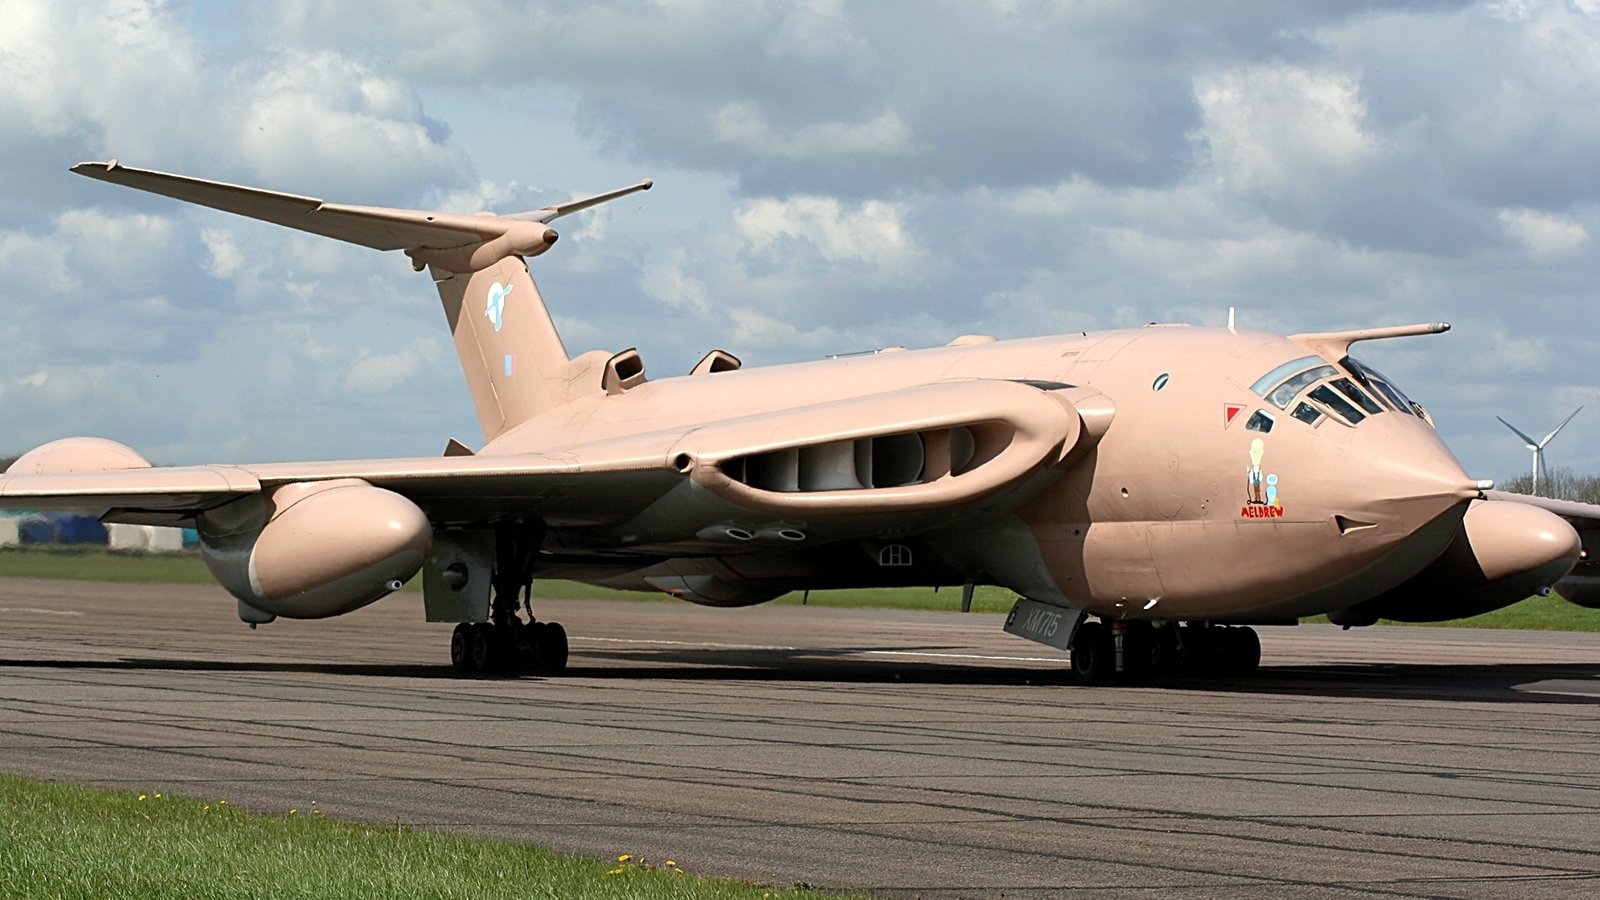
(513, 358)
(515, 364)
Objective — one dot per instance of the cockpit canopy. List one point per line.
(1309, 389)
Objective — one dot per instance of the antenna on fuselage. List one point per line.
(1230, 321)
(1538, 447)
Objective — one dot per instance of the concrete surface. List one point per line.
(915, 754)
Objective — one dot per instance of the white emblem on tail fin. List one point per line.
(495, 308)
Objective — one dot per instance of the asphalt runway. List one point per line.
(914, 754)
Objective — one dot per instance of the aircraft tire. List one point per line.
(1244, 651)
(1093, 658)
(461, 648)
(551, 656)
(482, 649)
(1169, 652)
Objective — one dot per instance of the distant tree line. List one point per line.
(6, 461)
(1562, 484)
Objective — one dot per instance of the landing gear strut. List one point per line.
(506, 643)
(1103, 653)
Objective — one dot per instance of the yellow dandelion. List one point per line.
(625, 857)
(616, 871)
(671, 862)
(158, 796)
(141, 796)
(222, 803)
(293, 811)
(206, 808)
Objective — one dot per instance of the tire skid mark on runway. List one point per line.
(720, 774)
(843, 739)
(1332, 766)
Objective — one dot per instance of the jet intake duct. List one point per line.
(316, 549)
(913, 449)
(1504, 552)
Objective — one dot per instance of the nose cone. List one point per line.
(1397, 466)
(1510, 539)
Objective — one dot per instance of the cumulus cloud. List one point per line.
(873, 233)
(1545, 234)
(830, 177)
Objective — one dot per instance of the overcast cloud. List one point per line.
(831, 176)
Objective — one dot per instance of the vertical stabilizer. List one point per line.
(513, 358)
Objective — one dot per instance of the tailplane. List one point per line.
(515, 364)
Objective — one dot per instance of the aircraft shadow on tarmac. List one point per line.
(1520, 683)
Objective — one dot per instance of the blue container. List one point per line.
(191, 539)
(36, 531)
(80, 530)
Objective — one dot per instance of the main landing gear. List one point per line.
(506, 643)
(1103, 653)
(488, 648)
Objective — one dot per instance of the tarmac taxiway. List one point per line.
(912, 753)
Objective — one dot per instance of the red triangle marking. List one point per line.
(1229, 411)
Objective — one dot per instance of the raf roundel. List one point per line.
(495, 308)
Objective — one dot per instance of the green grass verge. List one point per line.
(1533, 614)
(60, 841)
(98, 564)
(86, 563)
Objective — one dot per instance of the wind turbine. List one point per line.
(1538, 446)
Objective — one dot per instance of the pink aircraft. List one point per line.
(1149, 493)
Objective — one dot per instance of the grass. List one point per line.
(60, 841)
(94, 563)
(1549, 613)
(98, 564)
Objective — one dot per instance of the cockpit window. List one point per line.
(1340, 406)
(1349, 389)
(1270, 380)
(1379, 384)
(1261, 421)
(1283, 393)
(1306, 413)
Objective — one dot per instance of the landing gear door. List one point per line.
(456, 578)
(1050, 625)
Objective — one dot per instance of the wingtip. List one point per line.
(646, 184)
(84, 168)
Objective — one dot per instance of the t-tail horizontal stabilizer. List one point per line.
(515, 363)
(451, 241)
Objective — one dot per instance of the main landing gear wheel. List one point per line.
(1233, 650)
(1145, 650)
(549, 647)
(1093, 656)
(507, 642)
(483, 648)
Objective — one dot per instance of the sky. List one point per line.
(830, 177)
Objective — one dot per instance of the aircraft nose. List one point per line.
(1402, 464)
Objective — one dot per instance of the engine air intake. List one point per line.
(881, 461)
